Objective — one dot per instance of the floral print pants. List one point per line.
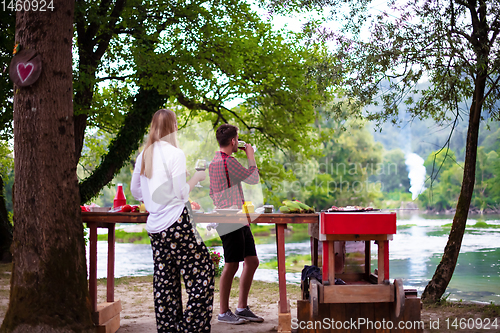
(177, 252)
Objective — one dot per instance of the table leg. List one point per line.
(110, 286)
(280, 244)
(381, 261)
(367, 260)
(314, 251)
(325, 258)
(331, 262)
(386, 260)
(93, 266)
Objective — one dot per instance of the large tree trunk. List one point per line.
(5, 228)
(49, 290)
(442, 276)
(480, 41)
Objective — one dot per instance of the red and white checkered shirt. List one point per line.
(223, 168)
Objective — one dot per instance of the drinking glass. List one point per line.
(201, 165)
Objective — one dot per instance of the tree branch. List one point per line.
(493, 87)
(120, 78)
(190, 104)
(127, 141)
(93, 27)
(105, 37)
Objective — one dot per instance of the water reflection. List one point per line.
(415, 252)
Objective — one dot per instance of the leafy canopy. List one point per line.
(201, 56)
(423, 56)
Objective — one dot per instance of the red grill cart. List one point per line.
(365, 294)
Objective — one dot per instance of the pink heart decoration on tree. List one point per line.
(24, 70)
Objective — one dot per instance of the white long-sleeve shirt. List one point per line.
(166, 193)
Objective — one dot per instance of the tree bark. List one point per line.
(49, 290)
(444, 271)
(480, 42)
(5, 228)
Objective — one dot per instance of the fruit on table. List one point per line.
(195, 205)
(126, 208)
(295, 207)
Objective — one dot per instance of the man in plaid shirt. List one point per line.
(226, 175)
(223, 169)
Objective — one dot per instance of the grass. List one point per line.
(481, 224)
(266, 292)
(127, 237)
(406, 226)
(459, 308)
(452, 313)
(262, 230)
(128, 280)
(293, 263)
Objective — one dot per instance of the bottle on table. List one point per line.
(120, 199)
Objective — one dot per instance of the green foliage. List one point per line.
(350, 158)
(392, 199)
(200, 56)
(339, 175)
(107, 194)
(123, 144)
(392, 173)
(6, 160)
(493, 184)
(438, 162)
(429, 59)
(492, 142)
(445, 190)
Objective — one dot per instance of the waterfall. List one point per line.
(416, 173)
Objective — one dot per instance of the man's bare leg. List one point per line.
(226, 280)
(249, 267)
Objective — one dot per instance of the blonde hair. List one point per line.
(163, 127)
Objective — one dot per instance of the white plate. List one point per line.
(227, 210)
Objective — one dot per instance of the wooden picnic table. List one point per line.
(107, 315)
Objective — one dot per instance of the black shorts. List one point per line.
(238, 245)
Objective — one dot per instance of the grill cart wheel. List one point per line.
(399, 295)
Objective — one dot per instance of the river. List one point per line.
(414, 253)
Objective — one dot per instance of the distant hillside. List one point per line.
(424, 136)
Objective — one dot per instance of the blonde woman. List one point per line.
(159, 180)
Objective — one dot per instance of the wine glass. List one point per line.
(201, 165)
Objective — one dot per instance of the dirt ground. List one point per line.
(137, 316)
